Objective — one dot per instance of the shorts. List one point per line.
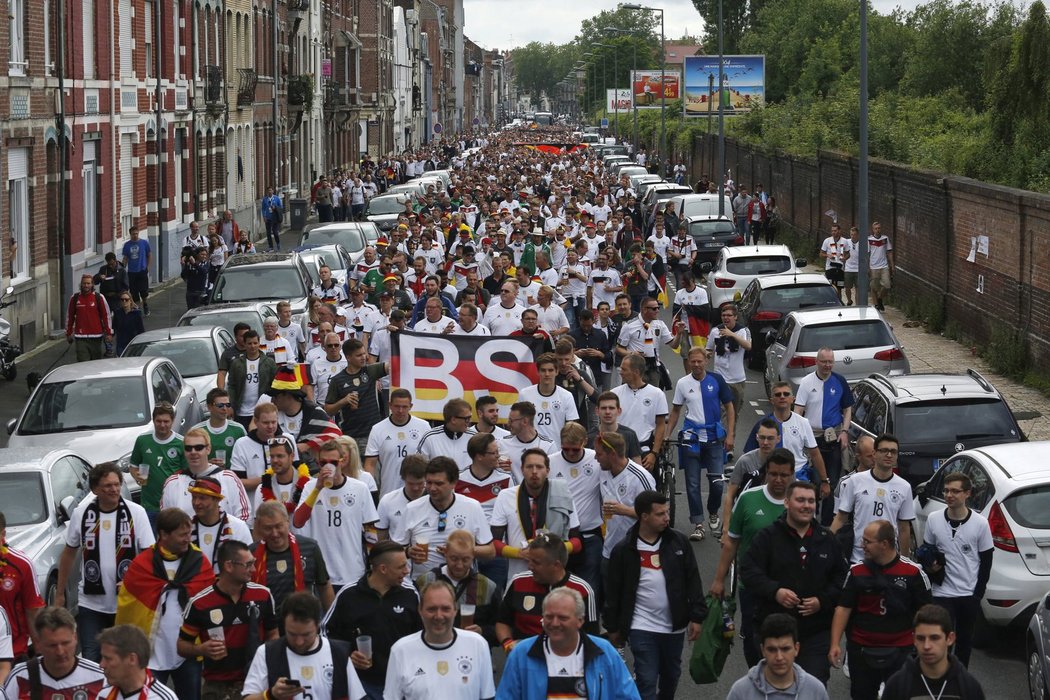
(835, 275)
(851, 280)
(880, 279)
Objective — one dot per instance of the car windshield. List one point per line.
(785, 299)
(385, 205)
(753, 266)
(954, 420)
(1030, 507)
(258, 283)
(194, 357)
(315, 259)
(350, 237)
(848, 335)
(86, 404)
(710, 227)
(22, 498)
(225, 319)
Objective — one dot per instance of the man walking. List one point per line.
(87, 322)
(287, 563)
(56, 671)
(272, 210)
(933, 666)
(655, 597)
(137, 258)
(778, 676)
(125, 655)
(880, 262)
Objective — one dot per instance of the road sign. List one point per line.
(605, 123)
(476, 121)
(437, 127)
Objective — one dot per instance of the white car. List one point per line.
(39, 489)
(736, 266)
(195, 350)
(1011, 487)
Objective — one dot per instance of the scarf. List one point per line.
(90, 537)
(525, 510)
(223, 533)
(268, 494)
(116, 693)
(297, 564)
(139, 599)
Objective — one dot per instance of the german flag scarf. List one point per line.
(141, 595)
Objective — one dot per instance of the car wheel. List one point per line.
(51, 592)
(1036, 679)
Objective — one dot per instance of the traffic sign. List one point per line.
(605, 123)
(437, 127)
(476, 121)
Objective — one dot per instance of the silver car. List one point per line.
(861, 338)
(98, 408)
(39, 489)
(229, 315)
(195, 350)
(1037, 651)
(352, 235)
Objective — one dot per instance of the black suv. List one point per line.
(269, 277)
(933, 415)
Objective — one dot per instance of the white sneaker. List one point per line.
(698, 533)
(714, 522)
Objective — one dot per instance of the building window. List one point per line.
(16, 11)
(88, 21)
(90, 176)
(147, 38)
(49, 64)
(18, 209)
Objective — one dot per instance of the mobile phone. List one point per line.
(292, 681)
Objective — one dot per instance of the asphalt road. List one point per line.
(1000, 666)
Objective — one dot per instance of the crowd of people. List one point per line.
(314, 538)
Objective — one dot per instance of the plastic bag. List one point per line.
(712, 648)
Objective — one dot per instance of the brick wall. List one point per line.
(931, 219)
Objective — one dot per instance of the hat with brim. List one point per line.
(206, 486)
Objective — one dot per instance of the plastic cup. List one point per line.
(466, 614)
(364, 645)
(144, 471)
(217, 633)
(424, 542)
(220, 455)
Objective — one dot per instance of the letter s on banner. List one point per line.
(425, 365)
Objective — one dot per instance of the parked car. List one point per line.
(610, 160)
(355, 236)
(768, 299)
(711, 234)
(335, 256)
(1011, 487)
(641, 178)
(689, 206)
(1037, 651)
(861, 338)
(195, 350)
(734, 268)
(933, 415)
(39, 489)
(98, 408)
(657, 195)
(229, 315)
(384, 210)
(270, 277)
(627, 168)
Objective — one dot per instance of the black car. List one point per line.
(934, 416)
(767, 300)
(711, 234)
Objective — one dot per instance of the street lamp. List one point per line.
(616, 90)
(594, 91)
(630, 83)
(663, 88)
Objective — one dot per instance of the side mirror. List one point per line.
(801, 262)
(65, 509)
(920, 492)
(771, 336)
(11, 426)
(705, 267)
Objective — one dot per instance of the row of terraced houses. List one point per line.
(156, 113)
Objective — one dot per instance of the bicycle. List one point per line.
(665, 472)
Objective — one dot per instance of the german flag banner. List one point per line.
(436, 368)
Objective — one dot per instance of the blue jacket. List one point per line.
(525, 673)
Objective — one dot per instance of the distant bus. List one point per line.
(544, 118)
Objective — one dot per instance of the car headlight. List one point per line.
(125, 463)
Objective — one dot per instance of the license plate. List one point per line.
(712, 244)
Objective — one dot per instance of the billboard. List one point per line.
(618, 100)
(645, 86)
(743, 84)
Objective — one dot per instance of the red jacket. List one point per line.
(88, 316)
(762, 209)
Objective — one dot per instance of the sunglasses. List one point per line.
(782, 394)
(196, 448)
(221, 405)
(332, 345)
(442, 521)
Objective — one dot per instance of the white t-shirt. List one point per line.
(313, 670)
(835, 250)
(249, 459)
(853, 261)
(107, 559)
(293, 332)
(796, 435)
(422, 519)
(961, 547)
(868, 499)
(511, 447)
(551, 318)
(391, 443)
(208, 537)
(165, 657)
(505, 514)
(251, 388)
(391, 510)
(729, 364)
(553, 411)
(460, 671)
(438, 442)
(623, 488)
(584, 479)
(644, 338)
(598, 280)
(322, 370)
(660, 245)
(175, 493)
(501, 320)
(433, 327)
(698, 297)
(338, 523)
(573, 287)
(877, 250)
(641, 408)
(279, 348)
(652, 609)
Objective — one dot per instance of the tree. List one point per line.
(738, 17)
(538, 68)
(1020, 103)
(637, 22)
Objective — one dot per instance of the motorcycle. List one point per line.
(8, 350)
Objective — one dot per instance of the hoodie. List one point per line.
(754, 686)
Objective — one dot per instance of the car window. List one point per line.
(846, 335)
(875, 422)
(983, 488)
(861, 403)
(710, 227)
(955, 420)
(784, 299)
(85, 404)
(934, 489)
(68, 479)
(161, 388)
(172, 379)
(787, 328)
(194, 357)
(748, 299)
(758, 265)
(258, 283)
(22, 498)
(1030, 507)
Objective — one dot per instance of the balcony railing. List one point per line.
(213, 85)
(246, 87)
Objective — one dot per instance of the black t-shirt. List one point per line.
(280, 574)
(922, 687)
(358, 422)
(227, 357)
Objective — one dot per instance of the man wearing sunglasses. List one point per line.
(177, 492)
(222, 431)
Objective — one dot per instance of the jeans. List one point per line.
(273, 233)
(496, 571)
(325, 213)
(864, 681)
(372, 691)
(748, 627)
(186, 679)
(964, 616)
(657, 662)
(90, 624)
(711, 458)
(813, 655)
(588, 563)
(831, 452)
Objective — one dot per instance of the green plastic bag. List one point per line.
(712, 648)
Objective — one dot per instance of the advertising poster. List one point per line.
(645, 86)
(743, 84)
(618, 100)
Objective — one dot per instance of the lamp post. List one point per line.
(630, 82)
(721, 119)
(862, 166)
(616, 90)
(663, 89)
(594, 90)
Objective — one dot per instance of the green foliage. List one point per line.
(538, 68)
(1019, 98)
(738, 18)
(301, 91)
(1007, 352)
(639, 23)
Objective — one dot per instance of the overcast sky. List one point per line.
(504, 24)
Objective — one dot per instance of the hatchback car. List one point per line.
(1037, 651)
(768, 299)
(734, 268)
(355, 236)
(933, 415)
(229, 315)
(1011, 488)
(98, 408)
(711, 234)
(384, 210)
(336, 257)
(39, 490)
(656, 196)
(860, 337)
(195, 350)
(688, 206)
(271, 277)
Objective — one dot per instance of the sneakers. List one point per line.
(715, 523)
(698, 533)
